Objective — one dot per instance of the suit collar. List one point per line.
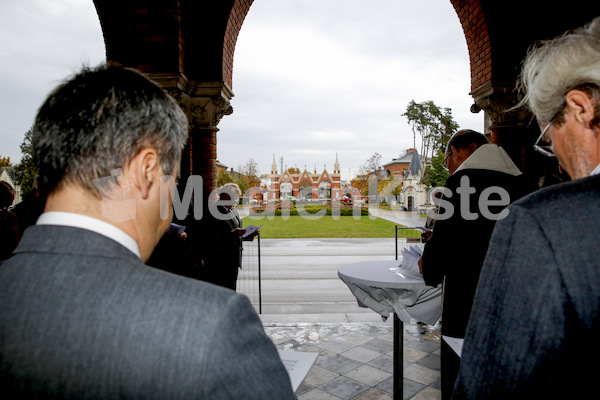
(91, 224)
(70, 240)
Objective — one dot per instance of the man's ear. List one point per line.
(146, 170)
(582, 105)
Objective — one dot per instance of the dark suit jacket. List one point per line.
(535, 322)
(220, 248)
(457, 248)
(83, 317)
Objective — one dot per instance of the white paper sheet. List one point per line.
(455, 344)
(297, 363)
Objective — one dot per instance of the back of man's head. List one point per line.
(467, 139)
(97, 121)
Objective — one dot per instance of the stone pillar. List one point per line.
(505, 126)
(208, 103)
(204, 103)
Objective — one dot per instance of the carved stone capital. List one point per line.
(204, 103)
(174, 84)
(497, 101)
(208, 103)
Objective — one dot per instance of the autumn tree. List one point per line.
(5, 162)
(249, 176)
(371, 165)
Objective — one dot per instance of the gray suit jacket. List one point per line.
(535, 322)
(83, 317)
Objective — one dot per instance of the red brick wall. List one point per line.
(234, 24)
(203, 154)
(143, 35)
(475, 28)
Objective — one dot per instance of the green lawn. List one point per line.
(325, 227)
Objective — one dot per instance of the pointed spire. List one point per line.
(274, 165)
(336, 166)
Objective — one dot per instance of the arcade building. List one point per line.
(305, 185)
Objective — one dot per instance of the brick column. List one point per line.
(504, 126)
(209, 102)
(204, 103)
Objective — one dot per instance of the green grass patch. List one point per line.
(326, 227)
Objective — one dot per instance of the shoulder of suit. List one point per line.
(582, 193)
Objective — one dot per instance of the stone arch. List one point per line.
(325, 188)
(305, 189)
(188, 47)
(238, 14)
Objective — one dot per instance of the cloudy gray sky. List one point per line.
(312, 78)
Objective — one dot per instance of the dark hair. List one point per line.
(7, 195)
(465, 138)
(98, 120)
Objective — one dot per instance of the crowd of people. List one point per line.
(84, 316)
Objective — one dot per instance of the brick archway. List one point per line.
(188, 46)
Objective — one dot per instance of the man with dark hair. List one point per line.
(82, 316)
(483, 181)
(536, 315)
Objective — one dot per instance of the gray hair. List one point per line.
(231, 188)
(98, 121)
(554, 67)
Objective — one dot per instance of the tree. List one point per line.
(371, 165)
(249, 176)
(26, 169)
(5, 162)
(390, 186)
(293, 170)
(434, 124)
(436, 175)
(223, 177)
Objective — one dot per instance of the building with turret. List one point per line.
(409, 169)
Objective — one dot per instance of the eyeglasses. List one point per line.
(445, 163)
(545, 146)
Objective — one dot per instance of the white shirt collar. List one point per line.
(91, 224)
(596, 170)
(491, 157)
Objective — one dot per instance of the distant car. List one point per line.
(346, 200)
(291, 198)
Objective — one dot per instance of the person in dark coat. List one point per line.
(483, 181)
(222, 236)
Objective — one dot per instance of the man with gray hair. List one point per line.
(82, 316)
(536, 314)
